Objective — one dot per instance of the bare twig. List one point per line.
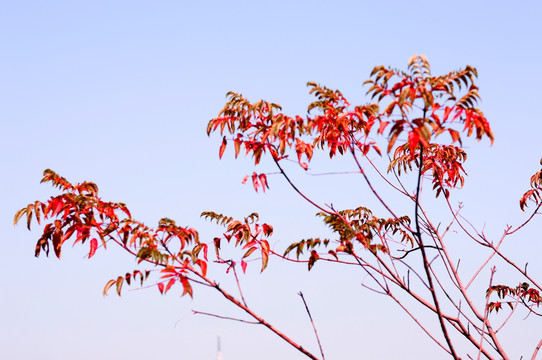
(401, 190)
(535, 212)
(239, 285)
(299, 191)
(425, 330)
(415, 249)
(312, 323)
(195, 312)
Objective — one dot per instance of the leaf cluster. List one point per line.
(522, 293)
(355, 227)
(246, 233)
(79, 213)
(534, 194)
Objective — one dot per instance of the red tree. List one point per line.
(420, 121)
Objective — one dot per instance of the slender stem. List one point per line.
(239, 285)
(312, 323)
(426, 264)
(413, 317)
(195, 312)
(299, 191)
(402, 191)
(526, 221)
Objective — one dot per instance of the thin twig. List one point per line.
(402, 191)
(414, 249)
(419, 323)
(195, 312)
(239, 285)
(299, 191)
(312, 323)
(526, 221)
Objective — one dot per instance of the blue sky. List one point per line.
(120, 92)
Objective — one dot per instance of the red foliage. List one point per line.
(411, 111)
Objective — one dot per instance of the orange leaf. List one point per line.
(249, 251)
(265, 253)
(454, 134)
(237, 144)
(108, 286)
(120, 280)
(382, 126)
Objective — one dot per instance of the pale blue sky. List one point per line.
(120, 92)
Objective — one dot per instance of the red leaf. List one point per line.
(383, 125)
(57, 243)
(222, 147)
(250, 244)
(255, 181)
(413, 140)
(304, 165)
(93, 247)
(458, 113)
(454, 134)
(169, 285)
(205, 251)
(58, 207)
(161, 288)
(263, 181)
(245, 179)
(203, 265)
(187, 289)
(244, 266)
(447, 111)
(267, 229)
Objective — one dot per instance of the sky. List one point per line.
(120, 93)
